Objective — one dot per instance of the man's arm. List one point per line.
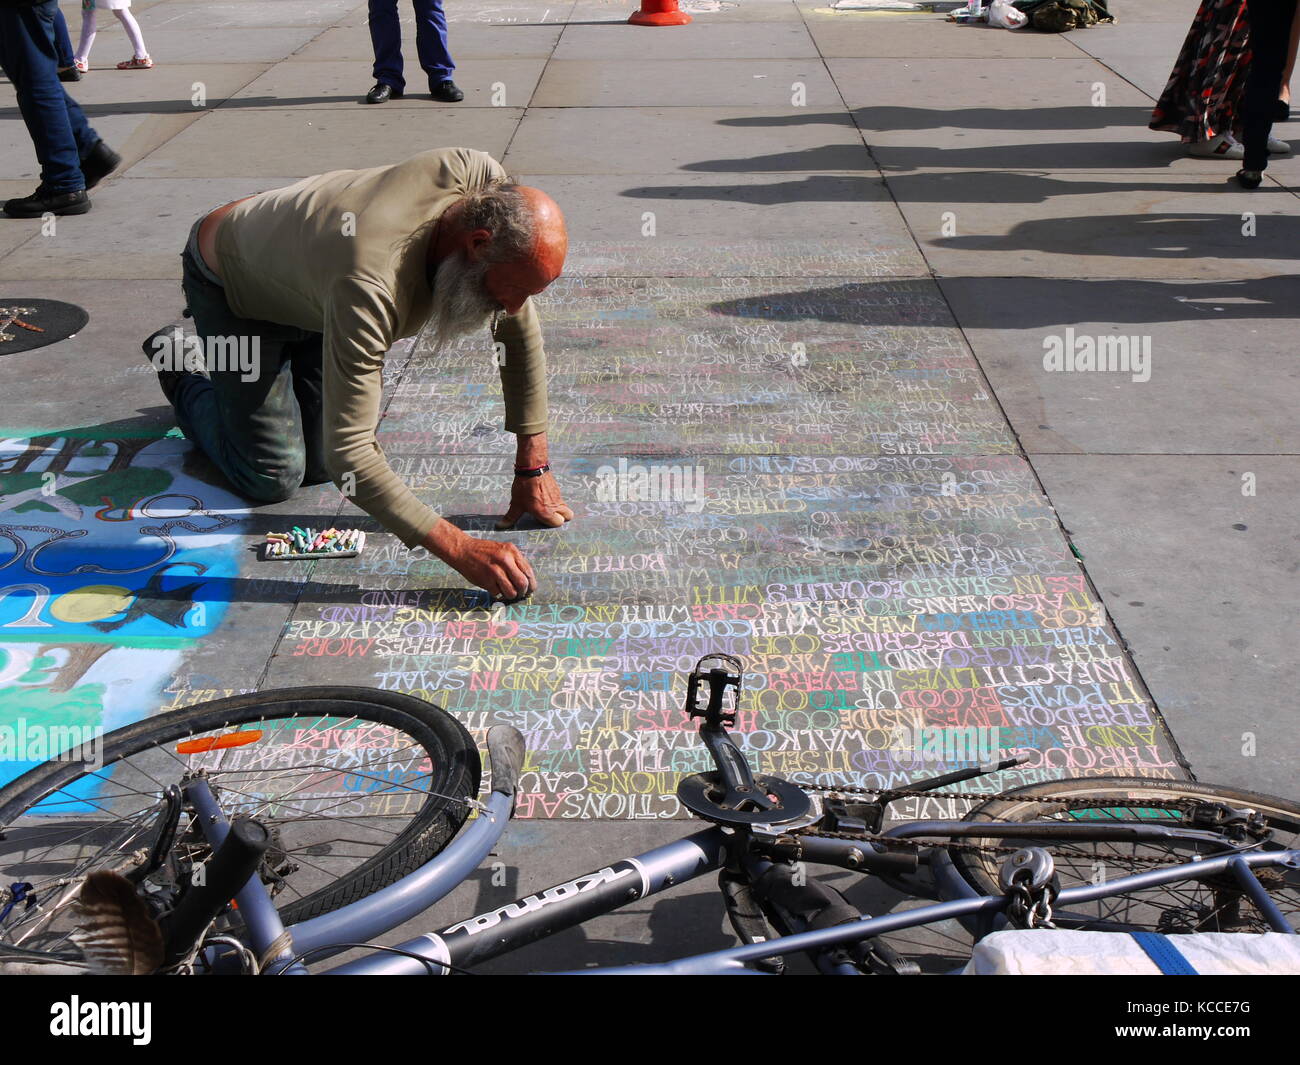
(359, 325)
(521, 359)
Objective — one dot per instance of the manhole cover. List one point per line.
(26, 323)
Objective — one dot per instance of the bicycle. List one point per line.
(258, 833)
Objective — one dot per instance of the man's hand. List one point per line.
(498, 568)
(538, 496)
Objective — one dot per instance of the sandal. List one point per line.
(136, 63)
(82, 65)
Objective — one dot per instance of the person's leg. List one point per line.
(132, 28)
(244, 418)
(386, 39)
(1270, 30)
(56, 124)
(88, 30)
(1289, 69)
(431, 41)
(62, 41)
(307, 363)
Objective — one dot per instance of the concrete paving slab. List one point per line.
(507, 12)
(767, 83)
(700, 39)
(131, 135)
(1186, 560)
(934, 39)
(149, 214)
(1109, 225)
(704, 11)
(467, 41)
(694, 221)
(314, 140)
(240, 14)
(607, 140)
(339, 85)
(171, 45)
(1221, 362)
(774, 349)
(172, 89)
(1012, 85)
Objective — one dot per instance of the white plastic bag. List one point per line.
(1002, 14)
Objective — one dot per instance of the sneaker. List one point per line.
(82, 66)
(139, 62)
(98, 163)
(1223, 146)
(1278, 147)
(43, 201)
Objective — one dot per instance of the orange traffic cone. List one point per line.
(659, 13)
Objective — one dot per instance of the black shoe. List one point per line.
(446, 92)
(69, 74)
(1250, 179)
(1282, 111)
(382, 93)
(42, 201)
(98, 163)
(166, 351)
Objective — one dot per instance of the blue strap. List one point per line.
(20, 892)
(1161, 950)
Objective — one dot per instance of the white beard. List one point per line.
(461, 303)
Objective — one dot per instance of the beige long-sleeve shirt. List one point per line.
(346, 254)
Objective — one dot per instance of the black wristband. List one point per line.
(536, 471)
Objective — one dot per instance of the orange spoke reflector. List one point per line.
(219, 743)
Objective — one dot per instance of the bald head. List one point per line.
(516, 232)
(550, 236)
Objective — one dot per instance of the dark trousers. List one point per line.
(430, 42)
(265, 434)
(58, 128)
(62, 42)
(1270, 31)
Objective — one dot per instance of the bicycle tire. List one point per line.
(355, 716)
(1191, 906)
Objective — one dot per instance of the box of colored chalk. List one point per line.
(312, 543)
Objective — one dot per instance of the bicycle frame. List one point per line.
(536, 916)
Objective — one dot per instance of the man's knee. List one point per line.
(270, 485)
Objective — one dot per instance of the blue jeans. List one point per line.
(62, 42)
(430, 42)
(264, 430)
(58, 128)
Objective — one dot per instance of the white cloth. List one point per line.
(1049, 952)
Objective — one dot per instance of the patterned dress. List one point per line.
(1203, 97)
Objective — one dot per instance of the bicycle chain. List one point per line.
(974, 848)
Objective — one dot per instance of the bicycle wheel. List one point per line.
(1215, 905)
(359, 787)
